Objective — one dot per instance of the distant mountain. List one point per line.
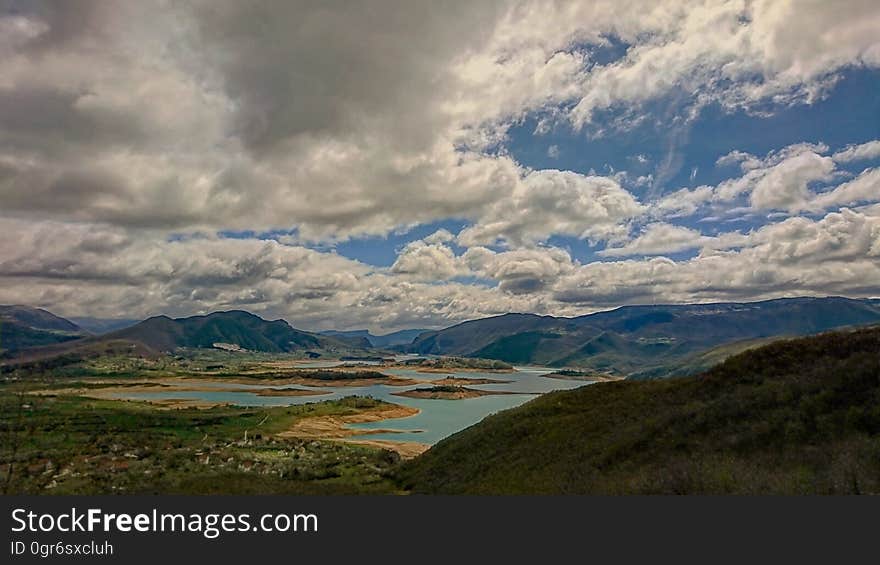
(237, 327)
(644, 339)
(402, 337)
(37, 318)
(100, 326)
(793, 417)
(22, 327)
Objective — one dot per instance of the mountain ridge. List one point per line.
(641, 338)
(23, 327)
(237, 327)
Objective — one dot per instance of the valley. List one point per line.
(159, 407)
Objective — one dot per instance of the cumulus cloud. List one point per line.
(523, 271)
(733, 53)
(796, 178)
(133, 133)
(863, 188)
(662, 238)
(552, 202)
(837, 254)
(101, 271)
(863, 151)
(427, 261)
(785, 186)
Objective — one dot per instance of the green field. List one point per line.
(70, 445)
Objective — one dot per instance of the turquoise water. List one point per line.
(437, 419)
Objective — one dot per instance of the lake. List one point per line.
(437, 419)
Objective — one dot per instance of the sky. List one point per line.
(409, 164)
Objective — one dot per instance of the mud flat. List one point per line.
(109, 390)
(464, 381)
(321, 378)
(582, 376)
(337, 428)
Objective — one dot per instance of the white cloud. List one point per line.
(683, 202)
(864, 151)
(662, 238)
(522, 271)
(427, 261)
(552, 202)
(124, 123)
(785, 186)
(734, 53)
(838, 254)
(793, 179)
(863, 188)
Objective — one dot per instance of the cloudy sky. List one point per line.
(391, 165)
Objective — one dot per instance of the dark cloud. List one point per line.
(339, 70)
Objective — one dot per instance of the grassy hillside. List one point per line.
(794, 416)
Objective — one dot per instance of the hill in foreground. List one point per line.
(795, 416)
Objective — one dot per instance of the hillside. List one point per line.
(795, 416)
(466, 338)
(240, 328)
(22, 327)
(651, 340)
(398, 338)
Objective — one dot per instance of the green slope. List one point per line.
(794, 416)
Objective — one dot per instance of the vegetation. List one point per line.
(793, 417)
(70, 445)
(573, 373)
(331, 375)
(449, 363)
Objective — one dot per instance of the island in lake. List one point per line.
(447, 392)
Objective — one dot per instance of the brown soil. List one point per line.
(337, 428)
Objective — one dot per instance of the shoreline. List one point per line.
(337, 428)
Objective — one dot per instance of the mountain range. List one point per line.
(236, 330)
(639, 342)
(643, 341)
